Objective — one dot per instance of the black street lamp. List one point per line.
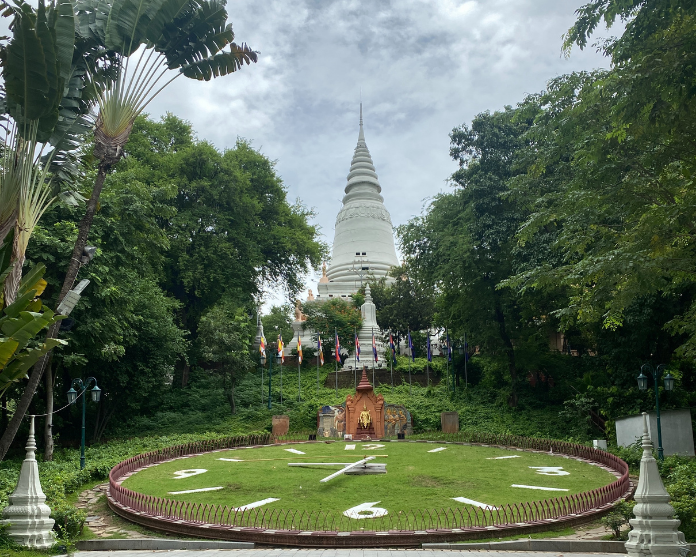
(72, 397)
(668, 385)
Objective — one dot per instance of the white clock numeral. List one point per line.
(373, 446)
(292, 450)
(188, 473)
(197, 490)
(365, 511)
(474, 503)
(436, 450)
(551, 471)
(350, 446)
(257, 504)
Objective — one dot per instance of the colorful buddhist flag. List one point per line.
(448, 347)
(394, 357)
(280, 349)
(358, 349)
(262, 346)
(319, 351)
(300, 350)
(375, 349)
(428, 346)
(411, 347)
(337, 347)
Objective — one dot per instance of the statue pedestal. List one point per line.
(364, 433)
(365, 401)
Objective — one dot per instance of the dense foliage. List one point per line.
(574, 212)
(181, 259)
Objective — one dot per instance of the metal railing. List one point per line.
(404, 521)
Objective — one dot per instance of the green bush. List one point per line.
(6, 543)
(69, 520)
(620, 515)
(679, 479)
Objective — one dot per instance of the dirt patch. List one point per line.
(426, 481)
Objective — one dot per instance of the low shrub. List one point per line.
(69, 520)
(619, 516)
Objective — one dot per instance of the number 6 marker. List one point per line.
(365, 511)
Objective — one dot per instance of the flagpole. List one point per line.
(319, 348)
(428, 354)
(411, 350)
(447, 362)
(299, 359)
(391, 360)
(466, 355)
(355, 360)
(336, 369)
(262, 385)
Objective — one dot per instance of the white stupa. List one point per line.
(363, 240)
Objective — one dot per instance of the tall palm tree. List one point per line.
(150, 38)
(150, 43)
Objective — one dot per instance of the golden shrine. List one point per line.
(365, 417)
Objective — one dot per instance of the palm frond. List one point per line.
(221, 64)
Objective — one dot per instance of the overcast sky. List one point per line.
(424, 67)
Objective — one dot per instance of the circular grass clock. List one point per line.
(418, 476)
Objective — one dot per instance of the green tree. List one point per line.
(614, 170)
(188, 36)
(233, 230)
(334, 315)
(464, 243)
(403, 305)
(278, 322)
(225, 339)
(124, 323)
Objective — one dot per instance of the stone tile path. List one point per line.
(318, 553)
(102, 525)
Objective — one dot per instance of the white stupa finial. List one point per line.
(361, 137)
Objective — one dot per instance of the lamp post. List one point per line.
(668, 384)
(72, 397)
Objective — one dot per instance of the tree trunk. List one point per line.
(229, 393)
(74, 266)
(48, 421)
(3, 411)
(510, 354)
(106, 414)
(13, 280)
(185, 375)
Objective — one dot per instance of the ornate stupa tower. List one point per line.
(363, 240)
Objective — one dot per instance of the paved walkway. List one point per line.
(319, 553)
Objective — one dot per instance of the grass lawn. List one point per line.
(415, 478)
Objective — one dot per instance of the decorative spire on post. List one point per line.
(654, 531)
(27, 514)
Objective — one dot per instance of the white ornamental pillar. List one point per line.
(654, 531)
(27, 514)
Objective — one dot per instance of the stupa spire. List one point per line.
(361, 137)
(363, 238)
(362, 180)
